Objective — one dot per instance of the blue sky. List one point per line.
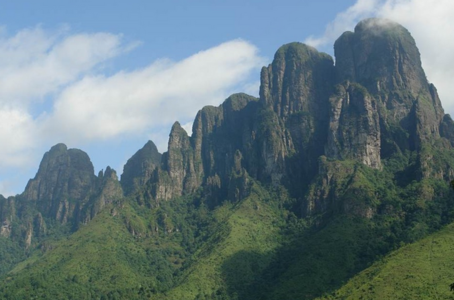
(177, 29)
(106, 76)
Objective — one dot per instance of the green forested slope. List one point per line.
(255, 248)
(119, 254)
(100, 259)
(422, 270)
(245, 240)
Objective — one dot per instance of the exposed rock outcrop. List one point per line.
(297, 80)
(382, 56)
(64, 182)
(206, 158)
(140, 167)
(108, 191)
(354, 131)
(65, 191)
(296, 86)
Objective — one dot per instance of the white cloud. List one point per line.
(17, 133)
(188, 127)
(430, 23)
(99, 107)
(35, 62)
(252, 88)
(7, 188)
(344, 21)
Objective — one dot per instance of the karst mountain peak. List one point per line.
(332, 150)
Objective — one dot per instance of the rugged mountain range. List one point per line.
(284, 196)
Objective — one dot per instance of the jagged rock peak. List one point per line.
(60, 162)
(110, 173)
(210, 117)
(58, 148)
(139, 168)
(298, 51)
(379, 25)
(296, 86)
(296, 80)
(64, 176)
(176, 128)
(178, 137)
(179, 158)
(381, 55)
(237, 102)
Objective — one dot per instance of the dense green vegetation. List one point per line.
(257, 248)
(422, 270)
(131, 252)
(124, 252)
(10, 254)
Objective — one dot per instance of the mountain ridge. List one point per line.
(329, 150)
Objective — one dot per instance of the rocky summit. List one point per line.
(338, 163)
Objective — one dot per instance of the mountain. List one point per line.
(285, 196)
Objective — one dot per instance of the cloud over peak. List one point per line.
(429, 22)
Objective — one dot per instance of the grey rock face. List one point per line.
(64, 190)
(354, 131)
(296, 80)
(7, 214)
(140, 167)
(65, 180)
(382, 56)
(179, 172)
(373, 103)
(179, 162)
(107, 191)
(206, 158)
(296, 86)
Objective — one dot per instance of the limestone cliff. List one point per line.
(64, 182)
(383, 107)
(65, 191)
(382, 56)
(296, 86)
(205, 159)
(179, 164)
(354, 129)
(139, 168)
(108, 190)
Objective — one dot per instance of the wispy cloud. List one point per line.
(99, 107)
(344, 21)
(35, 62)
